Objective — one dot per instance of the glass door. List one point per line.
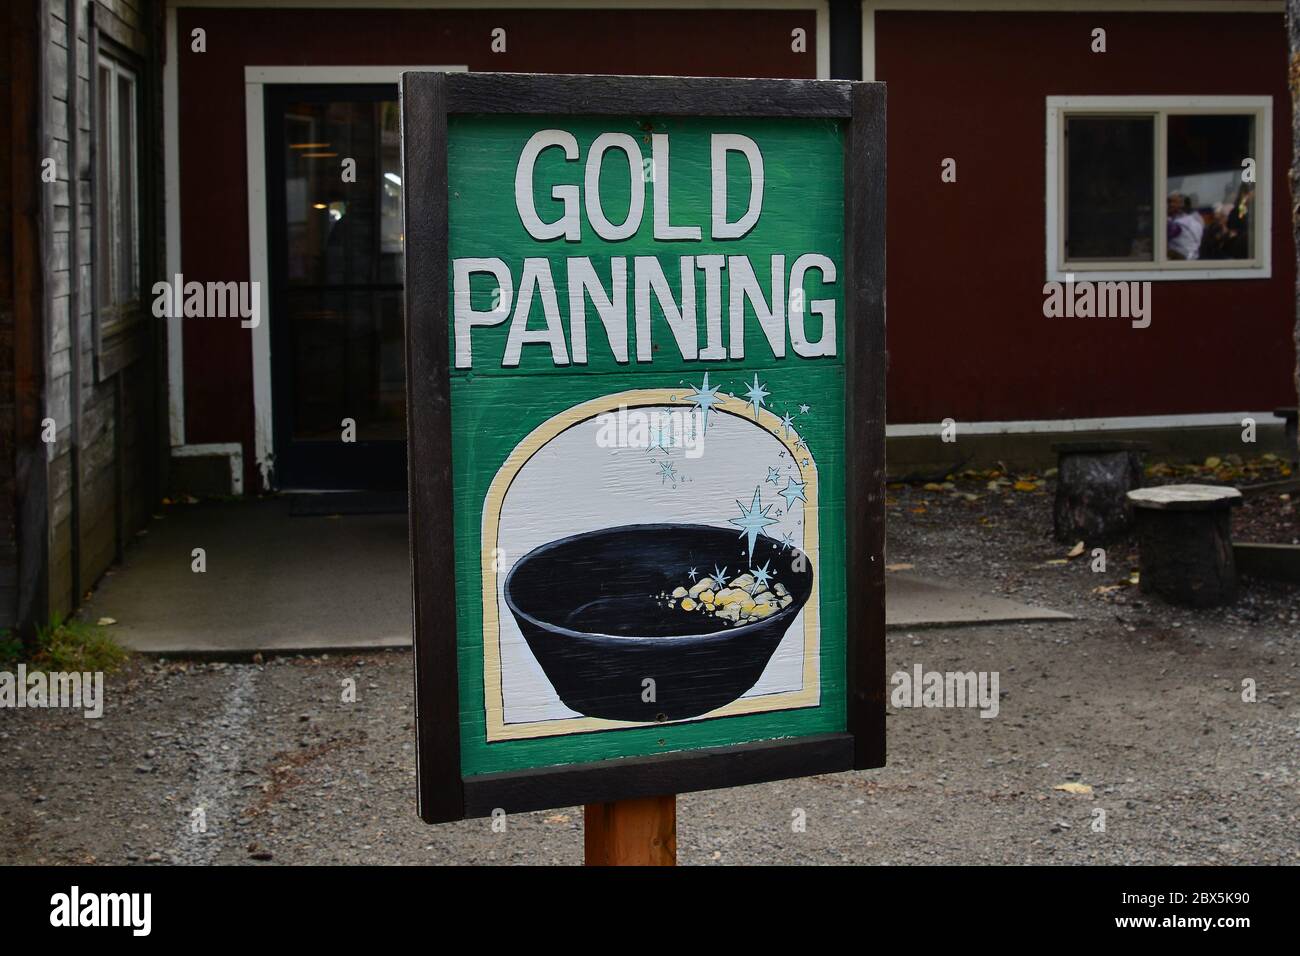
(334, 206)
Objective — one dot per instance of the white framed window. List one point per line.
(117, 239)
(1159, 187)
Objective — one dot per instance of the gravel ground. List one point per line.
(1138, 701)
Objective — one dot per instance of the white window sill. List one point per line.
(1159, 275)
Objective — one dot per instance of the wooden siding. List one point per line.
(103, 468)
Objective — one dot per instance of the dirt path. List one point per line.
(1139, 701)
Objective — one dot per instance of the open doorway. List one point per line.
(334, 234)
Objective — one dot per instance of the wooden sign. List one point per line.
(645, 347)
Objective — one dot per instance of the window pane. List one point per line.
(1211, 212)
(343, 232)
(1109, 170)
(128, 269)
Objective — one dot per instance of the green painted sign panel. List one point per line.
(613, 422)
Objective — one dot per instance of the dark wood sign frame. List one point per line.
(426, 101)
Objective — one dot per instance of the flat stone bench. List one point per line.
(1092, 480)
(1185, 537)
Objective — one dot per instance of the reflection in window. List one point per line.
(343, 232)
(1159, 185)
(1210, 208)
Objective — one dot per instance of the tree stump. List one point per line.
(1291, 425)
(1092, 482)
(1185, 537)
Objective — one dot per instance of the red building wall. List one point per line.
(213, 150)
(967, 337)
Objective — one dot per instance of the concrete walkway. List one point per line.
(280, 583)
(273, 582)
(913, 601)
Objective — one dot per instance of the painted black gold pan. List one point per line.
(587, 606)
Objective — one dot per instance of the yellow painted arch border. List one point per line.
(809, 695)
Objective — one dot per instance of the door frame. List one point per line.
(259, 263)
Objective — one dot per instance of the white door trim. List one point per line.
(255, 78)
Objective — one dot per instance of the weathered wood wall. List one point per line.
(8, 529)
(23, 527)
(100, 382)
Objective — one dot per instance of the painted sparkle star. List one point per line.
(801, 443)
(803, 409)
(704, 398)
(787, 539)
(753, 520)
(761, 577)
(719, 577)
(756, 394)
(668, 472)
(792, 492)
(658, 432)
(786, 423)
(693, 573)
(773, 476)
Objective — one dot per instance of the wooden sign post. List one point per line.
(639, 832)
(645, 374)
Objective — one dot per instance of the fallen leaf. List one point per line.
(558, 818)
(1075, 551)
(1073, 787)
(919, 511)
(1057, 561)
(898, 567)
(1134, 578)
(1213, 462)
(1107, 588)
(106, 621)
(1023, 485)
(932, 486)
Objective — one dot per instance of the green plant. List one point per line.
(75, 645)
(11, 648)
